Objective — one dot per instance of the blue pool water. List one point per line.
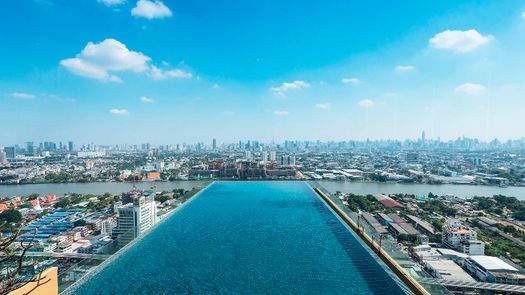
(247, 237)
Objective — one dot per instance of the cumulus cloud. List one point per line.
(145, 99)
(281, 113)
(159, 74)
(101, 60)
(119, 112)
(324, 105)
(97, 60)
(229, 113)
(22, 95)
(286, 86)
(523, 14)
(404, 68)
(471, 89)
(366, 103)
(352, 81)
(111, 2)
(151, 9)
(459, 41)
(216, 86)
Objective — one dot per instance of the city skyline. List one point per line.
(152, 71)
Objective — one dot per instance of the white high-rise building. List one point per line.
(136, 218)
(3, 158)
(264, 157)
(106, 227)
(273, 156)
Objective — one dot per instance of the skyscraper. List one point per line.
(70, 146)
(214, 144)
(2, 157)
(423, 136)
(10, 152)
(30, 148)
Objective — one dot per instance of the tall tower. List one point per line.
(423, 136)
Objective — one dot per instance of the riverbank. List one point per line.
(364, 188)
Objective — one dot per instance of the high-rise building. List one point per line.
(273, 156)
(423, 136)
(248, 155)
(30, 148)
(135, 218)
(3, 158)
(70, 146)
(10, 152)
(287, 160)
(214, 144)
(264, 157)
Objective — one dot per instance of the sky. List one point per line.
(127, 71)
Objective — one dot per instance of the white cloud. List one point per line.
(229, 113)
(216, 86)
(97, 60)
(366, 103)
(324, 105)
(283, 88)
(119, 112)
(61, 99)
(100, 60)
(145, 99)
(523, 14)
(353, 81)
(151, 9)
(471, 89)
(111, 2)
(459, 41)
(281, 113)
(404, 68)
(21, 95)
(159, 74)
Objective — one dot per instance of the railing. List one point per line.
(388, 246)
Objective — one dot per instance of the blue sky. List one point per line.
(127, 71)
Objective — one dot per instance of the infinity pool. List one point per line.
(247, 237)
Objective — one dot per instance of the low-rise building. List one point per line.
(447, 270)
(462, 238)
(495, 270)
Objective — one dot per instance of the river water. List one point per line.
(466, 191)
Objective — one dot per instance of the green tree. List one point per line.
(80, 222)
(63, 203)
(10, 216)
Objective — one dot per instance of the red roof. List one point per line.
(391, 203)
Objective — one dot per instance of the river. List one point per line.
(466, 191)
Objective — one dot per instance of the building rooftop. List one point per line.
(492, 263)
(446, 251)
(449, 270)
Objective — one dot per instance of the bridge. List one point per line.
(68, 255)
(514, 289)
